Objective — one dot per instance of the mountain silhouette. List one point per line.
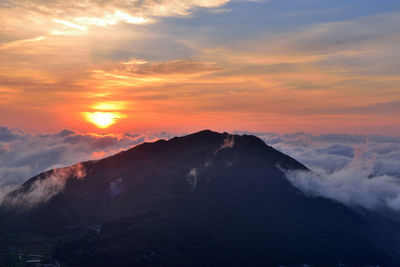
(205, 199)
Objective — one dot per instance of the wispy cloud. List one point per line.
(80, 15)
(42, 190)
(134, 66)
(19, 42)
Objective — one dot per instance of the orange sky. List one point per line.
(181, 66)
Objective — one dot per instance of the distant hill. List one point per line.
(205, 199)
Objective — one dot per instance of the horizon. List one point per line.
(108, 132)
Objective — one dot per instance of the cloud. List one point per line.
(44, 188)
(116, 187)
(353, 185)
(331, 152)
(135, 66)
(19, 42)
(194, 174)
(76, 17)
(192, 178)
(23, 155)
(328, 69)
(7, 134)
(356, 170)
(384, 108)
(228, 142)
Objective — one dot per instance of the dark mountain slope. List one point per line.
(205, 199)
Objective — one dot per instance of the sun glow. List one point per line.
(102, 119)
(109, 106)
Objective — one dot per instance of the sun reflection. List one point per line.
(102, 119)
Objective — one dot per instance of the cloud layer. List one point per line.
(23, 155)
(356, 170)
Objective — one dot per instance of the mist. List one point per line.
(43, 188)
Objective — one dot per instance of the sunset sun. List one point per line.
(102, 119)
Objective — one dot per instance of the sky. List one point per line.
(117, 66)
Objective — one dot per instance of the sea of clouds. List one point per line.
(356, 170)
(23, 155)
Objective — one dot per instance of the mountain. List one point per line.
(205, 199)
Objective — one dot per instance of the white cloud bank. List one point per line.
(23, 155)
(355, 170)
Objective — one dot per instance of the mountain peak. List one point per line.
(216, 139)
(204, 135)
